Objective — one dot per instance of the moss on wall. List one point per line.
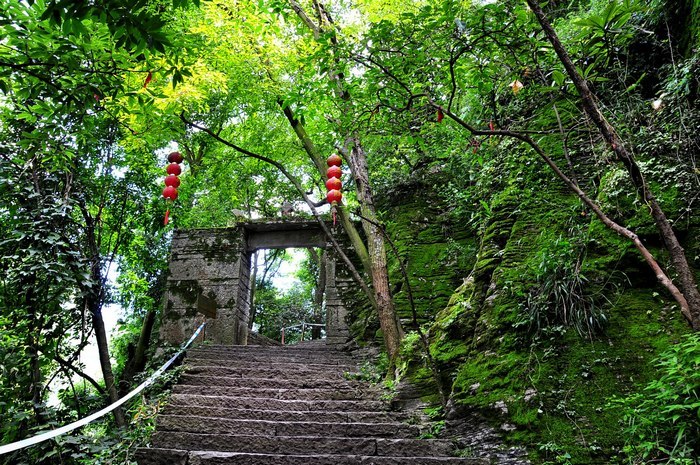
(436, 250)
(550, 389)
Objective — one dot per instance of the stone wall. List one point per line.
(212, 263)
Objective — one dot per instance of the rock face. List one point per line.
(254, 405)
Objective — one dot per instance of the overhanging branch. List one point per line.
(297, 185)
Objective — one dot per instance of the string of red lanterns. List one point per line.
(172, 182)
(333, 183)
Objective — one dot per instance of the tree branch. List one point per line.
(66, 364)
(301, 191)
(617, 228)
(305, 18)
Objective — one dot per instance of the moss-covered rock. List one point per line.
(550, 386)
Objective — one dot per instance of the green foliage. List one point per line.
(371, 373)
(81, 135)
(560, 295)
(554, 451)
(662, 421)
(276, 310)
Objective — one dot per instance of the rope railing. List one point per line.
(41, 437)
(303, 329)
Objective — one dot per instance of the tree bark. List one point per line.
(320, 163)
(686, 277)
(137, 363)
(377, 250)
(93, 302)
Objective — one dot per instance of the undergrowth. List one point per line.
(662, 422)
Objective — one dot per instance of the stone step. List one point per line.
(270, 383)
(256, 403)
(286, 415)
(210, 425)
(270, 351)
(288, 372)
(228, 458)
(282, 394)
(272, 364)
(305, 445)
(283, 406)
(181, 457)
(257, 348)
(262, 359)
(274, 351)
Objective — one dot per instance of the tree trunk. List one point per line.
(144, 341)
(377, 250)
(686, 278)
(93, 301)
(320, 163)
(137, 363)
(105, 362)
(33, 347)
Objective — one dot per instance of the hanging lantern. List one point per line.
(334, 196)
(170, 193)
(175, 157)
(333, 184)
(174, 169)
(334, 160)
(172, 181)
(334, 172)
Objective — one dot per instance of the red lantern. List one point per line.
(170, 193)
(334, 172)
(172, 181)
(174, 169)
(333, 183)
(334, 196)
(334, 160)
(175, 157)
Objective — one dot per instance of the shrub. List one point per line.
(662, 423)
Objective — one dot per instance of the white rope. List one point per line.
(82, 422)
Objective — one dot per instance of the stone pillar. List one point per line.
(337, 331)
(209, 274)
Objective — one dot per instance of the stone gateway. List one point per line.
(209, 279)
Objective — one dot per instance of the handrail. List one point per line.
(41, 437)
(303, 326)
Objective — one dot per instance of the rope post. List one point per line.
(282, 336)
(303, 330)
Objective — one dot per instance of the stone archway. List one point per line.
(209, 280)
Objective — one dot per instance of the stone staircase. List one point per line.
(255, 405)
